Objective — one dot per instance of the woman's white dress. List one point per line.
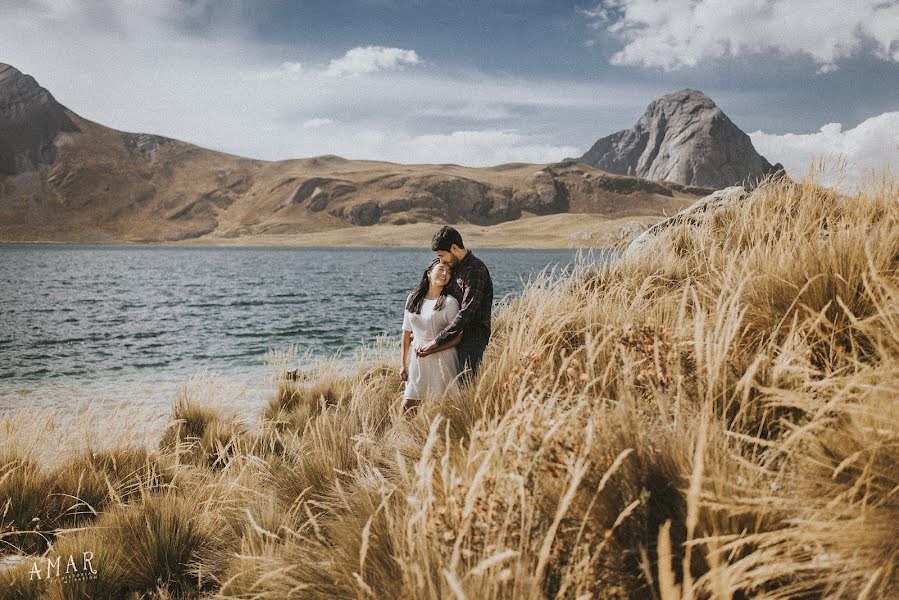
(432, 374)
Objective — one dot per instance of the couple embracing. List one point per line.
(446, 322)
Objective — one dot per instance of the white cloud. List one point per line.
(869, 147)
(285, 70)
(475, 148)
(291, 67)
(371, 59)
(317, 122)
(356, 61)
(476, 111)
(674, 35)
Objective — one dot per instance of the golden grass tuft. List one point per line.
(27, 511)
(169, 543)
(201, 432)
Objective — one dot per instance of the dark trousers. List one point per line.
(471, 351)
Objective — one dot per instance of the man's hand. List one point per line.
(427, 349)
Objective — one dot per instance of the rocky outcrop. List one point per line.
(475, 201)
(317, 192)
(438, 197)
(695, 214)
(682, 138)
(30, 119)
(144, 144)
(546, 194)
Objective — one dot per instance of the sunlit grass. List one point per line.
(716, 415)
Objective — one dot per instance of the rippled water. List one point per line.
(100, 323)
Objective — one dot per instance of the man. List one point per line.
(472, 287)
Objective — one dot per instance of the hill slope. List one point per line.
(67, 179)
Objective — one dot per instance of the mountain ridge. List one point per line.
(69, 179)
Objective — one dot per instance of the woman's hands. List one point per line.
(404, 373)
(431, 347)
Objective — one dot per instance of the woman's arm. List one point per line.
(407, 343)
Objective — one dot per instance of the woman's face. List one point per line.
(439, 275)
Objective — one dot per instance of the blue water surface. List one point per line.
(84, 314)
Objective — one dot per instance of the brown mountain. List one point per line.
(683, 138)
(67, 179)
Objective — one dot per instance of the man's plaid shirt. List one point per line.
(472, 287)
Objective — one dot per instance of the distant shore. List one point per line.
(559, 231)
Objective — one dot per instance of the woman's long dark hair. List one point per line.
(417, 297)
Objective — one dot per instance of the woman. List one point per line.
(428, 310)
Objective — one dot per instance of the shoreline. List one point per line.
(550, 232)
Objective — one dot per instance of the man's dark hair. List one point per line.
(445, 238)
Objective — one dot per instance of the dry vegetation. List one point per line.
(564, 230)
(717, 416)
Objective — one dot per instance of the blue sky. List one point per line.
(474, 83)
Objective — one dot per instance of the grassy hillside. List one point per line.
(108, 186)
(717, 416)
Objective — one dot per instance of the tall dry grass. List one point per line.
(716, 416)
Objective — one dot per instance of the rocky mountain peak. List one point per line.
(30, 119)
(685, 99)
(684, 138)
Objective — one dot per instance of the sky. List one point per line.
(467, 82)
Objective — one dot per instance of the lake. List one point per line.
(82, 324)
